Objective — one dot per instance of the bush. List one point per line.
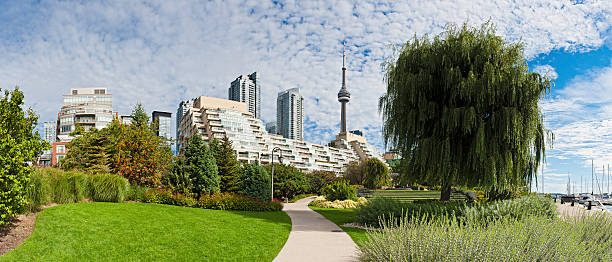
(319, 179)
(255, 182)
(218, 201)
(288, 181)
(136, 193)
(159, 196)
(322, 202)
(532, 239)
(37, 192)
(108, 188)
(516, 209)
(229, 201)
(339, 190)
(392, 210)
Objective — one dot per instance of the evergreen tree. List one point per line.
(228, 165)
(462, 108)
(139, 115)
(19, 144)
(215, 148)
(178, 178)
(255, 182)
(202, 166)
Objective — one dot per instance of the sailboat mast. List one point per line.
(592, 176)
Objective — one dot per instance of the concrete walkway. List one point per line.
(314, 238)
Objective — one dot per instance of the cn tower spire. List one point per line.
(343, 96)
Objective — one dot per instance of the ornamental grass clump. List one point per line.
(68, 187)
(587, 238)
(108, 188)
(37, 192)
(339, 204)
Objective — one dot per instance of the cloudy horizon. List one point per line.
(162, 52)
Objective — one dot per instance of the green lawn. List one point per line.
(342, 216)
(150, 232)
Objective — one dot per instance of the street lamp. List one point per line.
(280, 159)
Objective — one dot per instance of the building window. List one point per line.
(74, 92)
(99, 91)
(60, 149)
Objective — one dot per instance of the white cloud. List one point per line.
(165, 51)
(547, 71)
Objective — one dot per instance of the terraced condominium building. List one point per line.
(215, 118)
(290, 114)
(246, 89)
(183, 107)
(88, 107)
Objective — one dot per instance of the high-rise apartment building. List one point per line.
(183, 107)
(216, 118)
(88, 107)
(50, 128)
(163, 124)
(246, 89)
(290, 114)
(271, 128)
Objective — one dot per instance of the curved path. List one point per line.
(314, 238)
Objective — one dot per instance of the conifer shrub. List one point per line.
(108, 188)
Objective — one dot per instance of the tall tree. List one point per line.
(255, 182)
(87, 152)
(19, 144)
(377, 174)
(318, 179)
(288, 181)
(463, 109)
(140, 115)
(202, 166)
(355, 172)
(228, 165)
(141, 156)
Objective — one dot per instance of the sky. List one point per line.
(161, 52)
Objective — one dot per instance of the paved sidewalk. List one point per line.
(314, 238)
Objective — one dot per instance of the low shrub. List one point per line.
(37, 192)
(392, 210)
(531, 239)
(339, 190)
(218, 201)
(136, 193)
(108, 188)
(159, 196)
(322, 202)
(229, 201)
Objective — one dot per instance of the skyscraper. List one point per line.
(290, 114)
(50, 131)
(183, 107)
(88, 107)
(162, 120)
(246, 89)
(343, 97)
(271, 128)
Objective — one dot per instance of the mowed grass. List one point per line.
(343, 216)
(150, 232)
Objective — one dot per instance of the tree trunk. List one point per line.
(445, 194)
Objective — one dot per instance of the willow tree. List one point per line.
(463, 107)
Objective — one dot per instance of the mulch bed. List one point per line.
(22, 226)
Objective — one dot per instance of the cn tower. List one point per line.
(343, 96)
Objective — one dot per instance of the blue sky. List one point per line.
(160, 52)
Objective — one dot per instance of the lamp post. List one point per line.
(280, 158)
